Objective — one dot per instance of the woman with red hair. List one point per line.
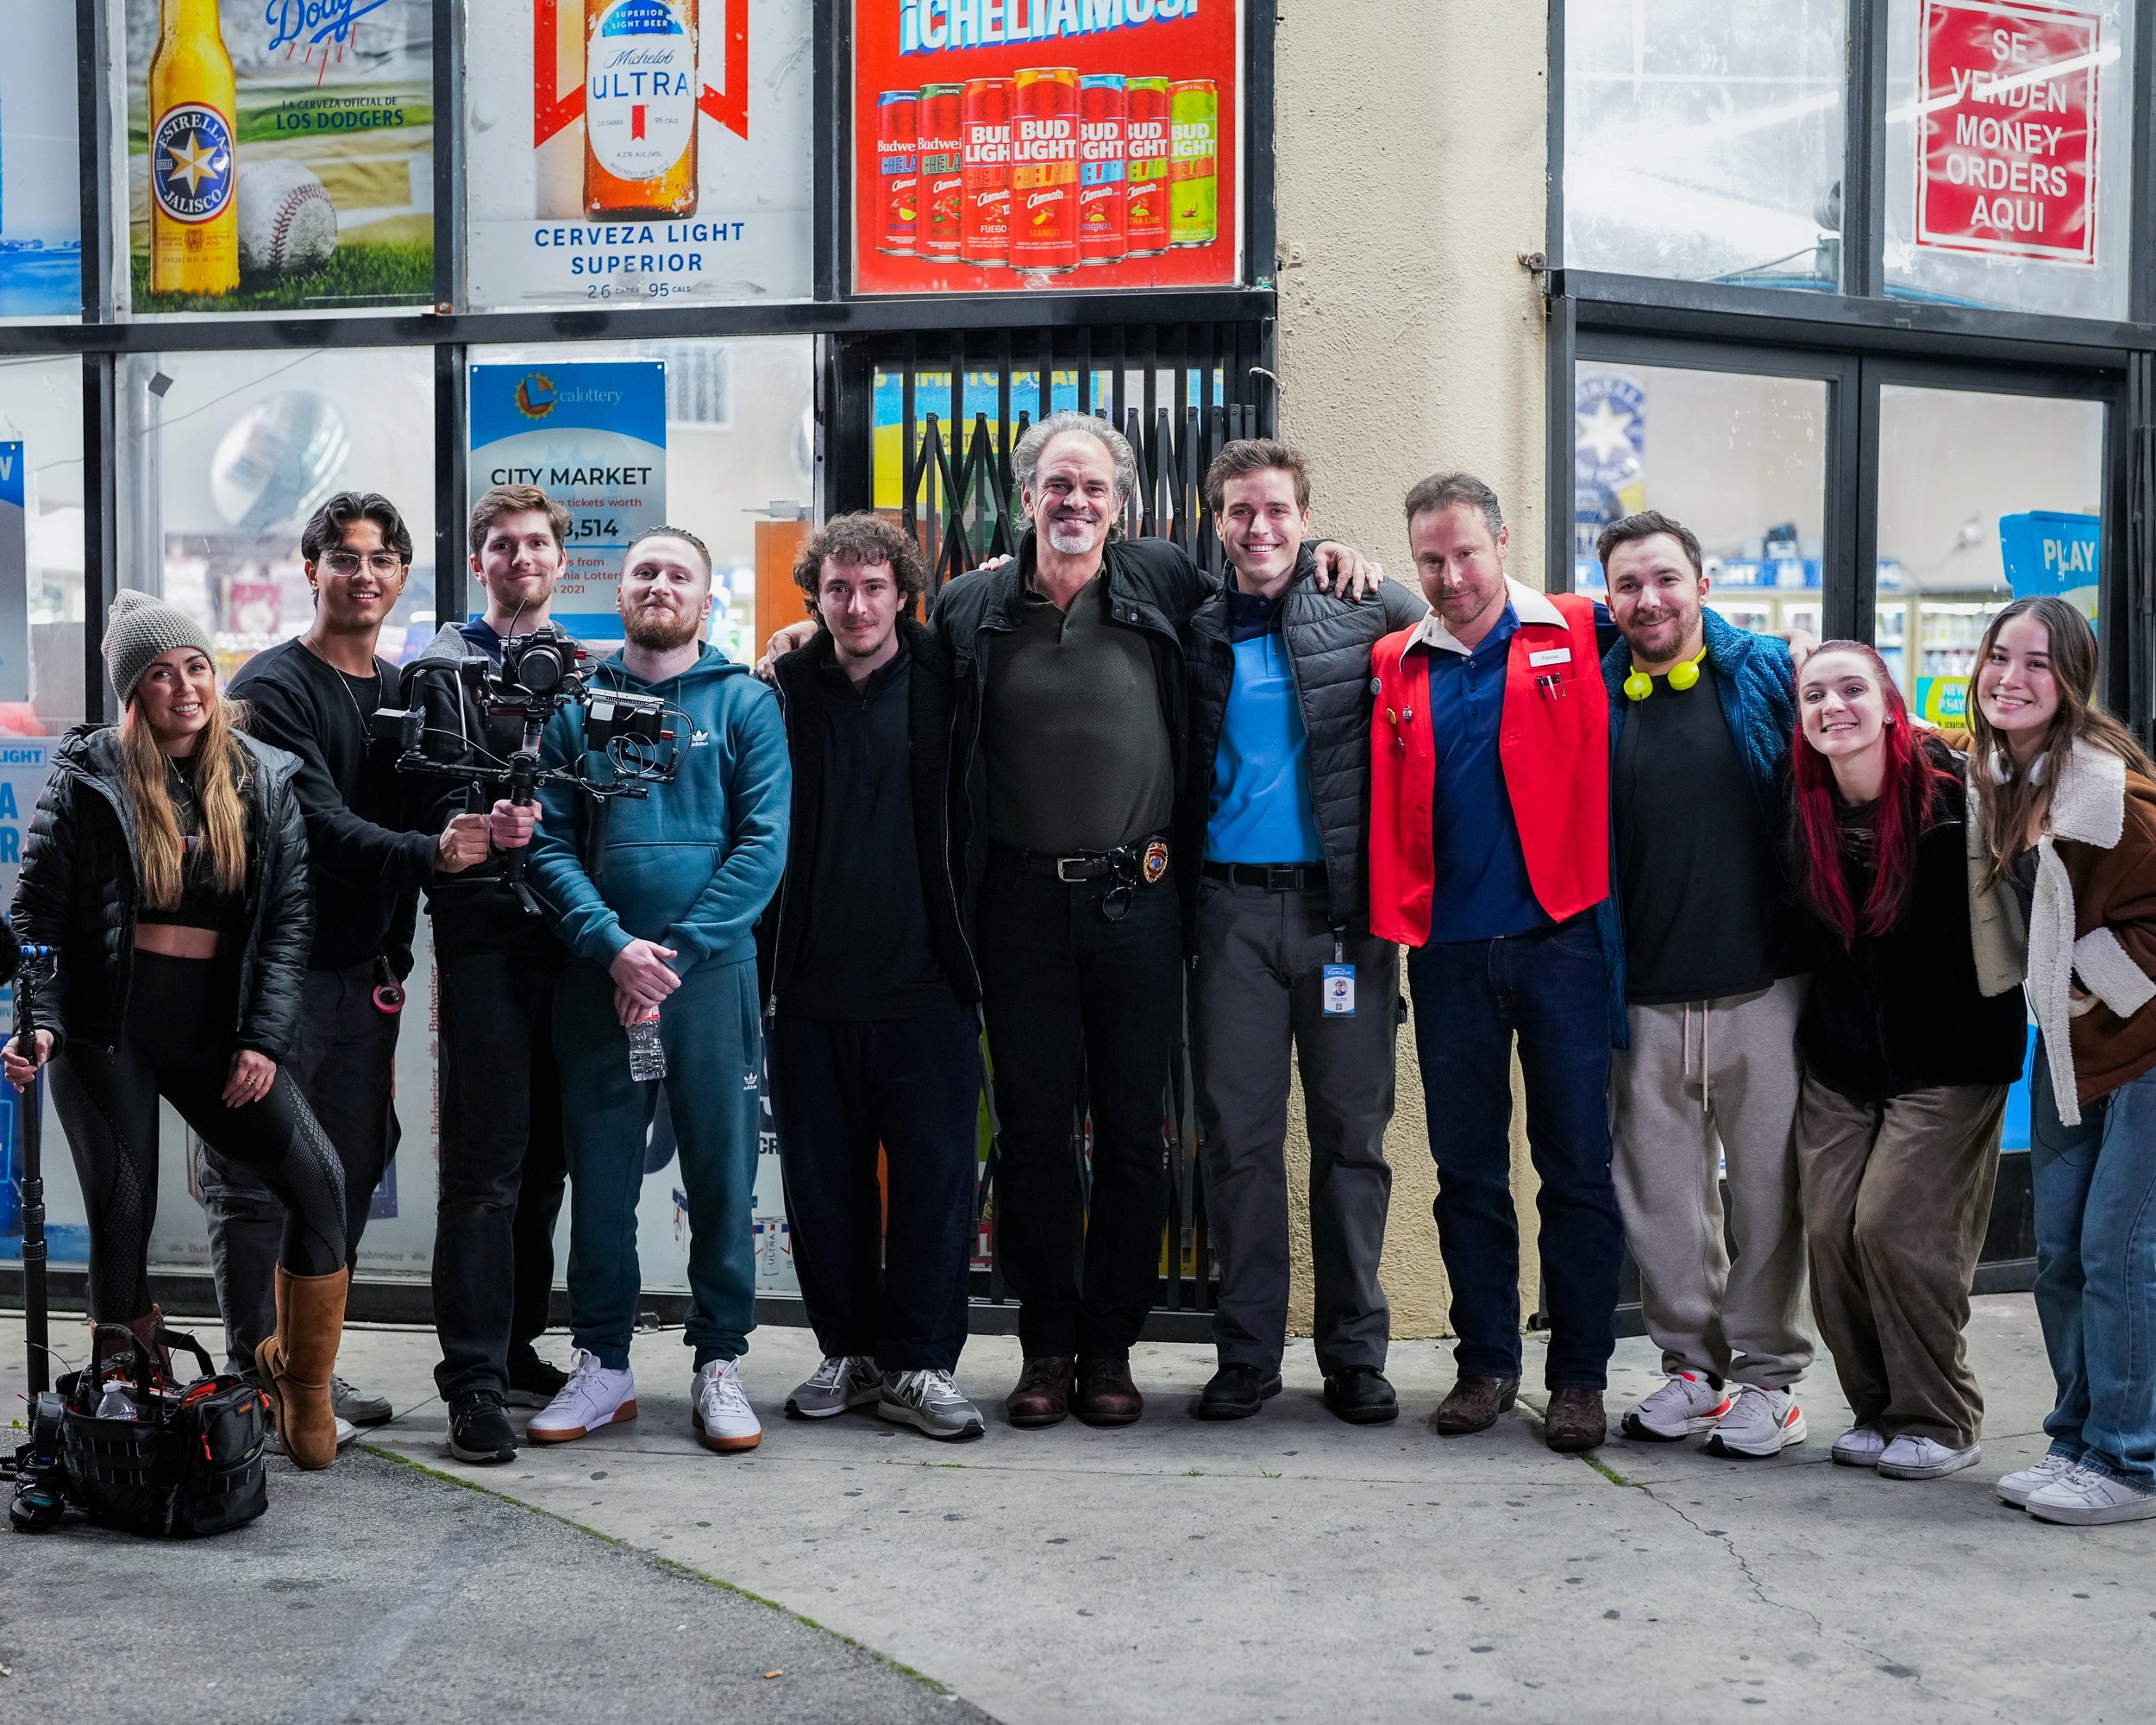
(1907, 1065)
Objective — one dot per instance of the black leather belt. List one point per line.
(1274, 877)
(1087, 865)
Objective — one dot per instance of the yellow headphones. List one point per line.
(1682, 674)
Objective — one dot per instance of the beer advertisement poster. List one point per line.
(1011, 144)
(280, 154)
(593, 435)
(41, 173)
(638, 152)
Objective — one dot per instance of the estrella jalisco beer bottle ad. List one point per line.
(1045, 143)
(280, 154)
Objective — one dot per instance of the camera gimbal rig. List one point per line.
(38, 1495)
(542, 671)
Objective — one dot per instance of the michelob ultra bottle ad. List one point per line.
(280, 154)
(1001, 145)
(624, 153)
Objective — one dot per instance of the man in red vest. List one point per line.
(1489, 858)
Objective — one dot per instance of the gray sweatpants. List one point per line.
(1703, 1082)
(1261, 963)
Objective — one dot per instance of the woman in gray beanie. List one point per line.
(167, 868)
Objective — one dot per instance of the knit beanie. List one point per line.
(140, 627)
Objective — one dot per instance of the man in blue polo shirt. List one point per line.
(1279, 780)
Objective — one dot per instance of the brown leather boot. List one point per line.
(1575, 1422)
(294, 1363)
(1105, 1394)
(1475, 1404)
(1043, 1396)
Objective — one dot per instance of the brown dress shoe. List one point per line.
(1105, 1394)
(1043, 1396)
(1475, 1404)
(1575, 1421)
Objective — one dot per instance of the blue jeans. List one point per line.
(2095, 1271)
(1549, 988)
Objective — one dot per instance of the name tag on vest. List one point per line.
(1551, 655)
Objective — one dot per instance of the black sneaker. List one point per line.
(479, 1430)
(532, 1382)
(1361, 1395)
(1235, 1392)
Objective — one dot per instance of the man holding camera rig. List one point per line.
(313, 696)
(502, 1162)
(657, 898)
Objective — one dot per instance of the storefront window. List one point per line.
(717, 436)
(1982, 498)
(1740, 459)
(2009, 146)
(1703, 140)
(40, 171)
(40, 547)
(227, 456)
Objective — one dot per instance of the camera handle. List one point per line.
(524, 777)
(30, 1128)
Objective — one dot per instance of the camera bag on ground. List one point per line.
(183, 1460)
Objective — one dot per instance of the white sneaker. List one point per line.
(842, 1382)
(2089, 1496)
(1909, 1456)
(1760, 1422)
(724, 1421)
(1689, 1402)
(1858, 1446)
(929, 1401)
(593, 1397)
(2016, 1488)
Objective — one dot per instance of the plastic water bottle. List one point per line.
(647, 1054)
(117, 1403)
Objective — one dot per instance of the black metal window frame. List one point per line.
(1862, 337)
(832, 316)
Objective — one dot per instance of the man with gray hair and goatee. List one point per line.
(1067, 761)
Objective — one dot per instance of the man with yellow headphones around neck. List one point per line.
(1701, 717)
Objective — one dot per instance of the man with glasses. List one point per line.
(313, 696)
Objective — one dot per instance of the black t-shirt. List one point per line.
(1697, 873)
(865, 954)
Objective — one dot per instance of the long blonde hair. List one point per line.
(221, 778)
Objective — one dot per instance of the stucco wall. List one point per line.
(1411, 144)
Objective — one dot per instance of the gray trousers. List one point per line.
(1261, 962)
(1704, 1081)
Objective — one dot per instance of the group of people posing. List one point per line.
(1739, 917)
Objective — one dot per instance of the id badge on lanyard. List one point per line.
(1340, 985)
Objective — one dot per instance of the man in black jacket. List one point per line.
(872, 1039)
(312, 697)
(503, 1164)
(1278, 805)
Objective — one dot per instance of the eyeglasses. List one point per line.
(347, 564)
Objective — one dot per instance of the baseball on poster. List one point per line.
(1003, 144)
(638, 152)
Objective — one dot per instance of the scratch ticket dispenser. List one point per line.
(2047, 552)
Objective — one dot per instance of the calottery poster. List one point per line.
(1011, 144)
(594, 436)
(41, 173)
(280, 154)
(638, 152)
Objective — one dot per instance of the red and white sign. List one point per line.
(2007, 140)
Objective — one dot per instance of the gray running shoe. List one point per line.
(346, 1432)
(359, 1406)
(929, 1401)
(842, 1382)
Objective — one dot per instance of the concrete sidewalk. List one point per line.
(1290, 1567)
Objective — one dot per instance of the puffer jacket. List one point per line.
(1328, 640)
(80, 890)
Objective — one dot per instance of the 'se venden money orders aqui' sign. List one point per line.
(1008, 144)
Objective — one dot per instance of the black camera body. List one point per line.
(541, 670)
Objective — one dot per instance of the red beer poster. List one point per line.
(2007, 153)
(1001, 145)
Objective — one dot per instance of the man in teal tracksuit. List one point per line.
(659, 924)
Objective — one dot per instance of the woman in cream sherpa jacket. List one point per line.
(2063, 881)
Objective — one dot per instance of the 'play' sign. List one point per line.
(2007, 151)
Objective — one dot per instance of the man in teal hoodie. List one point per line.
(657, 900)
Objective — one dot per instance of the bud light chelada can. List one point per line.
(1145, 202)
(1193, 175)
(1045, 169)
(1103, 128)
(984, 216)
